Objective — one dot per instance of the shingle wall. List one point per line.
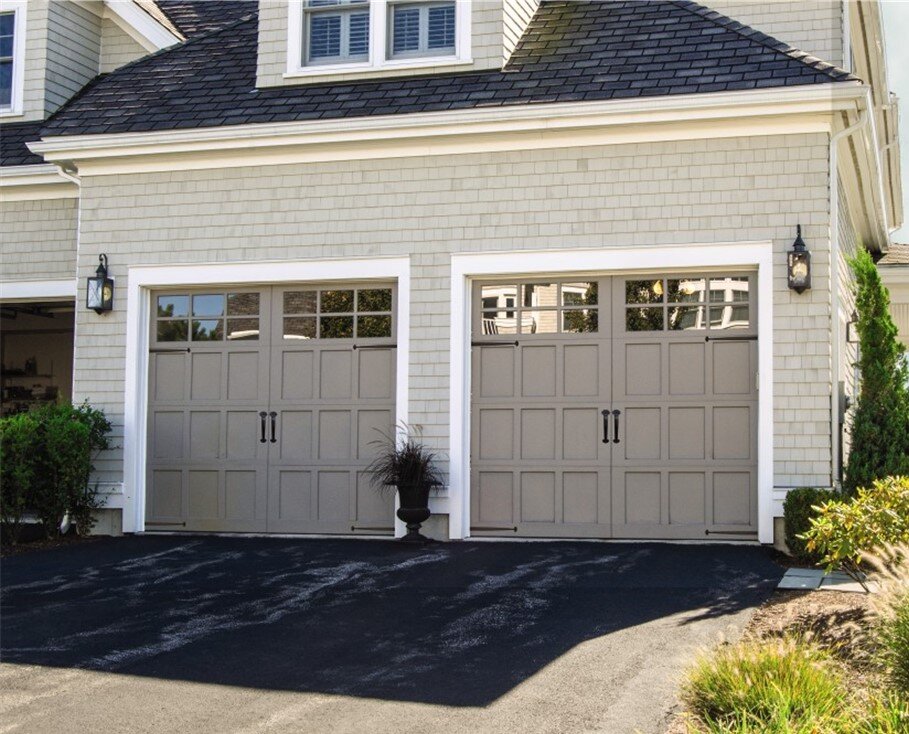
(73, 49)
(117, 48)
(38, 239)
(849, 245)
(486, 42)
(430, 207)
(35, 61)
(813, 26)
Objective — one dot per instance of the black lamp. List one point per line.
(799, 264)
(100, 293)
(852, 335)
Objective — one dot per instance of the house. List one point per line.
(894, 269)
(553, 237)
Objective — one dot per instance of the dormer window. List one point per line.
(12, 53)
(328, 36)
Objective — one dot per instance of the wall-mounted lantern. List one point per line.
(852, 334)
(100, 293)
(799, 264)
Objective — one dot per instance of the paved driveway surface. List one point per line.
(198, 634)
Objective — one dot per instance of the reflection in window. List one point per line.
(685, 290)
(171, 306)
(729, 290)
(208, 330)
(336, 327)
(300, 327)
(208, 305)
(644, 291)
(299, 302)
(644, 319)
(580, 321)
(373, 326)
(336, 301)
(579, 294)
(540, 322)
(242, 329)
(729, 317)
(684, 318)
(172, 331)
(242, 304)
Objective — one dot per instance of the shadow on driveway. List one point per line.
(456, 624)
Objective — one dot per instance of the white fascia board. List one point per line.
(140, 26)
(38, 290)
(30, 183)
(756, 106)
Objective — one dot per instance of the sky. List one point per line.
(896, 40)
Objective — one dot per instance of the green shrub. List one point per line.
(880, 426)
(844, 531)
(18, 467)
(769, 687)
(887, 713)
(798, 510)
(47, 462)
(894, 638)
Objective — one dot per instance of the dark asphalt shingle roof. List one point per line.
(571, 51)
(194, 17)
(13, 137)
(896, 255)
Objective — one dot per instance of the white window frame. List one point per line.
(378, 43)
(18, 9)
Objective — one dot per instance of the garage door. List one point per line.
(263, 405)
(615, 407)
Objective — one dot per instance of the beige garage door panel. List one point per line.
(263, 411)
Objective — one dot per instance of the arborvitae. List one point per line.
(880, 429)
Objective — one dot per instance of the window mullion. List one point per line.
(378, 10)
(423, 42)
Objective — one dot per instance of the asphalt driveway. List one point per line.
(256, 634)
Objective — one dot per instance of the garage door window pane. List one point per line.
(336, 327)
(208, 305)
(580, 321)
(644, 291)
(644, 319)
(579, 294)
(500, 322)
(300, 327)
(243, 329)
(298, 302)
(337, 302)
(537, 295)
(377, 299)
(208, 330)
(729, 290)
(243, 304)
(539, 322)
(684, 318)
(172, 331)
(170, 306)
(685, 290)
(729, 317)
(373, 326)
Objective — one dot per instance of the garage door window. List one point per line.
(207, 317)
(338, 314)
(687, 304)
(540, 308)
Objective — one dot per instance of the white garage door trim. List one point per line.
(142, 279)
(465, 267)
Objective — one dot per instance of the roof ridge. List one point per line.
(774, 44)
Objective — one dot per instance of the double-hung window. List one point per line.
(421, 29)
(12, 43)
(337, 31)
(337, 35)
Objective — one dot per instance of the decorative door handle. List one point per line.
(262, 426)
(615, 425)
(273, 416)
(605, 426)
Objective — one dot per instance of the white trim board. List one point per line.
(31, 183)
(719, 114)
(139, 25)
(39, 290)
(465, 267)
(141, 279)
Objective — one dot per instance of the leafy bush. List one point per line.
(880, 428)
(798, 510)
(779, 686)
(844, 532)
(46, 465)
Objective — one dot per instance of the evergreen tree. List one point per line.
(880, 429)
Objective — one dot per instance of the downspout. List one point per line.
(835, 353)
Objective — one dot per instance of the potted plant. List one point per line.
(405, 463)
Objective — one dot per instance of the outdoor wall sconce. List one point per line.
(852, 335)
(799, 264)
(100, 293)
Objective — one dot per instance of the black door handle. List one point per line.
(615, 425)
(262, 426)
(273, 416)
(605, 426)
